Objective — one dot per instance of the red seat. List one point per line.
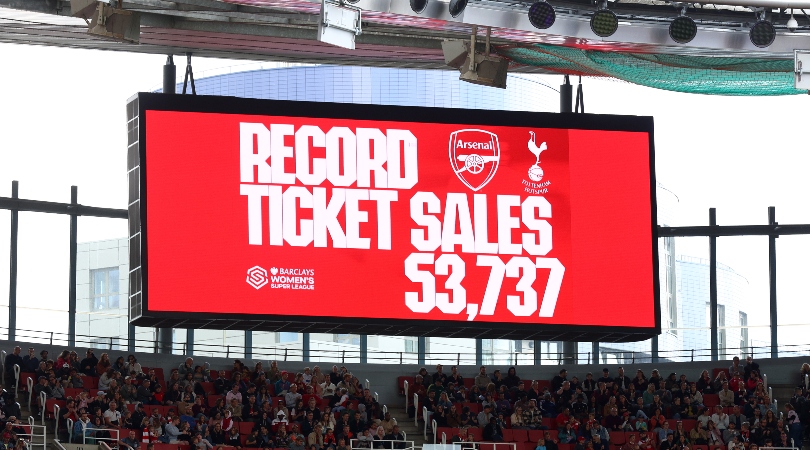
(469, 382)
(73, 392)
(401, 384)
(618, 438)
(229, 374)
(131, 407)
(541, 384)
(519, 436)
(214, 375)
(212, 399)
(507, 435)
(711, 400)
(89, 382)
(716, 371)
(477, 433)
(475, 408)
(552, 433)
(207, 386)
(548, 422)
(565, 446)
(159, 373)
(688, 424)
(486, 446)
(49, 406)
(245, 427)
(24, 376)
(534, 435)
(700, 447)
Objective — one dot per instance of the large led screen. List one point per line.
(456, 219)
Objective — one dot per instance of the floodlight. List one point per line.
(762, 33)
(457, 7)
(604, 23)
(682, 30)
(107, 21)
(542, 15)
(418, 6)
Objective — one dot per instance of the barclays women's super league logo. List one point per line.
(535, 186)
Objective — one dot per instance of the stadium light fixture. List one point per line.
(418, 6)
(762, 32)
(683, 29)
(457, 7)
(542, 15)
(604, 21)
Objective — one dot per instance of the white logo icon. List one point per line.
(474, 156)
(273, 270)
(535, 172)
(256, 277)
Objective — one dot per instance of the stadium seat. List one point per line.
(716, 371)
(688, 424)
(213, 375)
(618, 438)
(552, 433)
(519, 436)
(507, 435)
(474, 407)
(711, 400)
(469, 382)
(49, 406)
(159, 373)
(131, 407)
(207, 386)
(565, 446)
(246, 427)
(535, 435)
(486, 446)
(477, 433)
(212, 399)
(548, 422)
(24, 380)
(73, 392)
(542, 384)
(401, 384)
(700, 447)
(717, 447)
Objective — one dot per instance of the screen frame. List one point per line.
(411, 327)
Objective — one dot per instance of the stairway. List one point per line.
(413, 433)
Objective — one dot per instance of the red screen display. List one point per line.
(345, 218)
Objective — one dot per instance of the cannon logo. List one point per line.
(474, 157)
(256, 277)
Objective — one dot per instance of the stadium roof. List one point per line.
(395, 36)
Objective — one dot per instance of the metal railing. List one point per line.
(383, 443)
(37, 435)
(114, 435)
(284, 353)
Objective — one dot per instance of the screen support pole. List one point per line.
(305, 346)
(74, 201)
(363, 348)
(713, 284)
(248, 344)
(479, 352)
(421, 343)
(538, 352)
(12, 279)
(772, 281)
(595, 352)
(654, 349)
(164, 335)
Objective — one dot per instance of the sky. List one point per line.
(63, 123)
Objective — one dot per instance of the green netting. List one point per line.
(692, 74)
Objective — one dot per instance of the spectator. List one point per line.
(731, 433)
(234, 393)
(30, 363)
(130, 441)
(720, 418)
(82, 429)
(171, 432)
(12, 359)
(493, 432)
(736, 444)
(557, 381)
(102, 365)
(663, 430)
(484, 416)
(292, 397)
(112, 417)
(631, 443)
(396, 435)
(668, 443)
(725, 395)
(750, 367)
(512, 380)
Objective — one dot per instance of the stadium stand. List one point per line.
(95, 399)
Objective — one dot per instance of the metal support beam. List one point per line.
(654, 349)
(74, 201)
(570, 353)
(566, 96)
(190, 341)
(169, 76)
(421, 344)
(538, 352)
(479, 352)
(772, 282)
(131, 338)
(594, 353)
(12, 280)
(248, 344)
(17, 204)
(713, 284)
(165, 338)
(363, 348)
(735, 230)
(305, 346)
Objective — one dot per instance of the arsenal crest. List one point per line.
(474, 157)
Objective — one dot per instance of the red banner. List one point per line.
(322, 217)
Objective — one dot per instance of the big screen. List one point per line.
(325, 212)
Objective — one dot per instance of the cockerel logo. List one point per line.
(535, 172)
(474, 157)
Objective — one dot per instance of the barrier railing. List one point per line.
(114, 435)
(383, 443)
(405, 390)
(353, 353)
(415, 409)
(36, 438)
(16, 380)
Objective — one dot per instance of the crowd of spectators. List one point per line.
(125, 404)
(730, 409)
